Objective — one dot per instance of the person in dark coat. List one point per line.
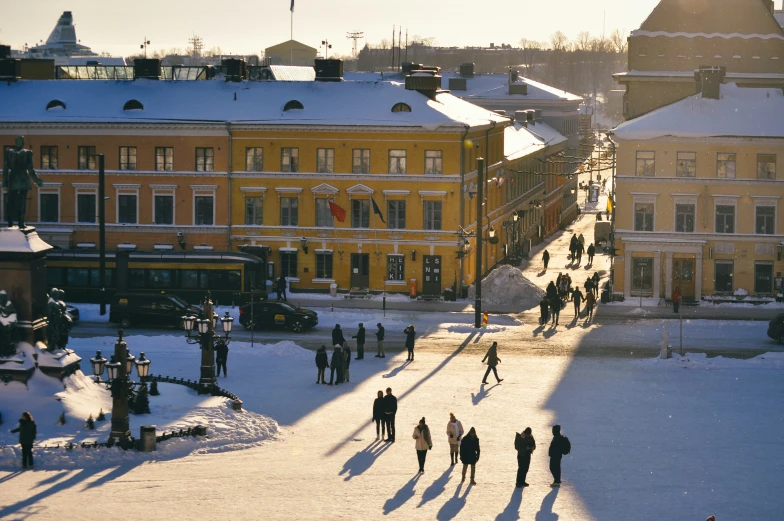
(221, 355)
(347, 363)
(555, 309)
(336, 365)
(558, 447)
(492, 362)
(590, 302)
(551, 290)
(410, 335)
(544, 311)
(596, 278)
(360, 336)
(380, 339)
(378, 415)
(322, 362)
(390, 410)
(27, 430)
(546, 259)
(591, 252)
(588, 285)
(337, 336)
(469, 454)
(577, 298)
(579, 249)
(525, 445)
(280, 288)
(423, 443)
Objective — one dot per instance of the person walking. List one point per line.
(591, 251)
(559, 447)
(555, 309)
(551, 290)
(378, 415)
(410, 335)
(577, 298)
(221, 355)
(27, 430)
(336, 365)
(380, 340)
(280, 288)
(390, 410)
(544, 311)
(347, 363)
(454, 432)
(590, 302)
(588, 285)
(422, 442)
(337, 336)
(492, 362)
(579, 249)
(546, 259)
(322, 362)
(525, 445)
(469, 454)
(360, 336)
(676, 299)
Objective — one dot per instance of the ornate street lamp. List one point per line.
(98, 362)
(129, 358)
(142, 367)
(207, 339)
(112, 369)
(491, 236)
(227, 323)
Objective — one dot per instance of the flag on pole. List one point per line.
(292, 6)
(610, 204)
(337, 212)
(377, 210)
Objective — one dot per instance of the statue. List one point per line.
(66, 322)
(17, 171)
(8, 332)
(56, 333)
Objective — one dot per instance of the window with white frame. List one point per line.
(323, 214)
(49, 159)
(127, 158)
(86, 203)
(685, 214)
(725, 218)
(164, 159)
(163, 206)
(324, 264)
(325, 160)
(49, 206)
(289, 160)
(396, 214)
(288, 263)
(127, 208)
(396, 264)
(765, 220)
(766, 166)
(643, 216)
(397, 161)
(205, 159)
(725, 165)
(434, 162)
(254, 159)
(289, 211)
(432, 215)
(204, 209)
(86, 158)
(686, 164)
(646, 164)
(360, 163)
(360, 213)
(254, 210)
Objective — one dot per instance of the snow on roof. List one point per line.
(689, 74)
(325, 103)
(521, 141)
(743, 112)
(496, 86)
(726, 36)
(293, 73)
(779, 17)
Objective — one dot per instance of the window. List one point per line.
(164, 158)
(288, 263)
(50, 207)
(87, 158)
(763, 278)
(723, 278)
(725, 218)
(684, 218)
(360, 213)
(164, 209)
(293, 105)
(203, 207)
(85, 208)
(324, 265)
(254, 211)
(323, 215)
(361, 161)
(136, 278)
(401, 107)
(765, 220)
(646, 165)
(254, 159)
(159, 278)
(289, 160)
(289, 211)
(432, 217)
(643, 217)
(642, 275)
(396, 215)
(126, 209)
(397, 161)
(396, 267)
(433, 162)
(49, 158)
(133, 105)
(686, 165)
(325, 160)
(205, 159)
(194, 279)
(78, 276)
(725, 166)
(766, 166)
(127, 158)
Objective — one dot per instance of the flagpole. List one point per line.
(291, 36)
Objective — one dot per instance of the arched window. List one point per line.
(133, 105)
(293, 105)
(55, 104)
(401, 107)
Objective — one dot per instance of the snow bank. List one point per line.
(701, 361)
(507, 286)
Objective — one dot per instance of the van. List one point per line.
(150, 310)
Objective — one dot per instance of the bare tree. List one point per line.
(532, 51)
(558, 41)
(619, 41)
(584, 41)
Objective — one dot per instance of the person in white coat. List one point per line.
(423, 443)
(454, 430)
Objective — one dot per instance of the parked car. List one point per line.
(73, 312)
(776, 328)
(273, 314)
(146, 310)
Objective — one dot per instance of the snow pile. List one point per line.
(773, 360)
(283, 349)
(507, 286)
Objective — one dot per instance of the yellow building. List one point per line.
(291, 52)
(698, 195)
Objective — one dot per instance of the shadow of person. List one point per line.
(363, 460)
(405, 493)
(438, 486)
(393, 373)
(546, 510)
(483, 393)
(541, 273)
(573, 323)
(550, 332)
(455, 504)
(512, 510)
(12, 475)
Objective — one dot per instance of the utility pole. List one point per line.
(102, 232)
(480, 166)
(144, 45)
(355, 35)
(327, 46)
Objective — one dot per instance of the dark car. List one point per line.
(272, 314)
(146, 310)
(776, 328)
(73, 312)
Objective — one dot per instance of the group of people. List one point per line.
(577, 249)
(560, 291)
(525, 445)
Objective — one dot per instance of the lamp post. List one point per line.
(207, 339)
(480, 167)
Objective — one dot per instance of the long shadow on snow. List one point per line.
(455, 504)
(437, 487)
(364, 459)
(404, 494)
(512, 510)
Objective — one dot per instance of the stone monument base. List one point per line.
(57, 364)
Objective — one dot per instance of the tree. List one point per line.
(558, 41)
(584, 41)
(532, 51)
(619, 41)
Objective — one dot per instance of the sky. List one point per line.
(247, 27)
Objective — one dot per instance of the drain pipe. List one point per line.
(459, 285)
(228, 220)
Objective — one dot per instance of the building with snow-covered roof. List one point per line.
(291, 52)
(699, 195)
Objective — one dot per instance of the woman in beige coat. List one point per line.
(423, 443)
(454, 431)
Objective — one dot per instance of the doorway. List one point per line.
(360, 270)
(763, 279)
(432, 272)
(683, 277)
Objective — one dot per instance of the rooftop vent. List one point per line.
(467, 70)
(407, 67)
(133, 105)
(518, 88)
(513, 75)
(10, 69)
(709, 80)
(538, 115)
(235, 69)
(401, 107)
(458, 84)
(293, 105)
(55, 104)
(147, 68)
(426, 81)
(329, 69)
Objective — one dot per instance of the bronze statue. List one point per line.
(8, 326)
(17, 171)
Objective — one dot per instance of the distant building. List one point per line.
(291, 52)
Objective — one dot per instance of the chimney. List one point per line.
(531, 117)
(467, 70)
(521, 116)
(769, 5)
(147, 68)
(457, 84)
(426, 81)
(538, 116)
(5, 51)
(234, 69)
(709, 80)
(329, 69)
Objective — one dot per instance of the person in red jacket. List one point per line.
(676, 299)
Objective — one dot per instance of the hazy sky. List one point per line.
(245, 26)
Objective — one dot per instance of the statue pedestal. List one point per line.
(18, 367)
(23, 276)
(57, 364)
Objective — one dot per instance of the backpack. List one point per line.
(566, 446)
(518, 442)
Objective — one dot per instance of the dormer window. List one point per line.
(401, 107)
(55, 104)
(293, 105)
(133, 105)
